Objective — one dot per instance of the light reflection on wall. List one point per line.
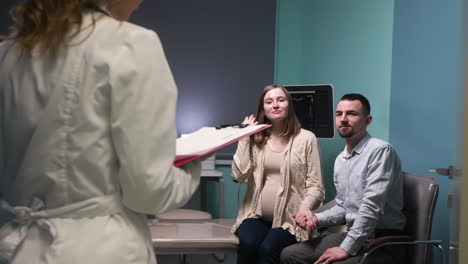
(191, 117)
(221, 54)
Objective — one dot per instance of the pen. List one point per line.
(231, 125)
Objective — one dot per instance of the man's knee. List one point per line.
(288, 255)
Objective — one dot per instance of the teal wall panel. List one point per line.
(233, 194)
(344, 43)
(427, 92)
(405, 56)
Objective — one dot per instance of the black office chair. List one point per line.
(420, 197)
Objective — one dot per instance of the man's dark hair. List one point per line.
(359, 97)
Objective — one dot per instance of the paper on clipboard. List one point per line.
(208, 139)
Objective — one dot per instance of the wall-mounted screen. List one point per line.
(313, 105)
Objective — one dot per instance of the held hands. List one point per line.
(305, 219)
(250, 120)
(331, 255)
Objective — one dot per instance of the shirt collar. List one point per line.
(358, 148)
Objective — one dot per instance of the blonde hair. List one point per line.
(48, 23)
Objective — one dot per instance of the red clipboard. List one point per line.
(219, 137)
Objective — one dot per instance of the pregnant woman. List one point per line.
(281, 166)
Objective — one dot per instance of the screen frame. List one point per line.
(311, 89)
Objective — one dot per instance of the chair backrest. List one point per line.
(420, 196)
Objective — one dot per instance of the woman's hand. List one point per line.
(250, 120)
(305, 219)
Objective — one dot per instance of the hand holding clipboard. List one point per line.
(209, 139)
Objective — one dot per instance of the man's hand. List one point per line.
(331, 255)
(305, 219)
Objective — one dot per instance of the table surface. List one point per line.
(178, 234)
(211, 173)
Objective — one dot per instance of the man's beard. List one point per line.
(347, 134)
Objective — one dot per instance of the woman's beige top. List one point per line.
(87, 145)
(301, 183)
(272, 176)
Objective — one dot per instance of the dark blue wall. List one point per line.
(5, 6)
(221, 54)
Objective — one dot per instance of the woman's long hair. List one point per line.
(52, 24)
(292, 127)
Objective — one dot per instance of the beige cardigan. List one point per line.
(302, 174)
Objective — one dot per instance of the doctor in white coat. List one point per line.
(87, 135)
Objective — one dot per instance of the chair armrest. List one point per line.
(384, 239)
(399, 240)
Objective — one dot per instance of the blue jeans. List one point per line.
(259, 243)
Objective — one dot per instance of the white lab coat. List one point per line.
(86, 147)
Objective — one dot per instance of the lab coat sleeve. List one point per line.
(143, 105)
